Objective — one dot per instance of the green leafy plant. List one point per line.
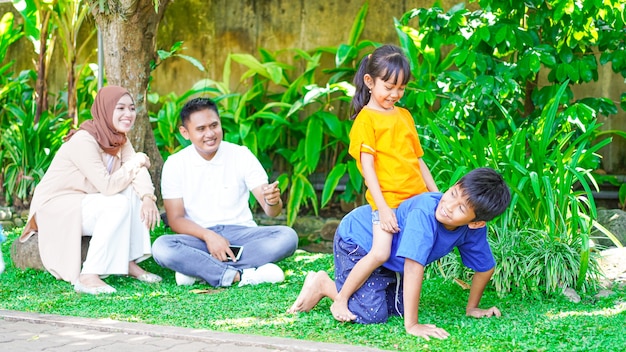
(465, 62)
(477, 101)
(547, 163)
(29, 147)
(68, 17)
(10, 32)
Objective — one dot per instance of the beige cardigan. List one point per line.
(78, 168)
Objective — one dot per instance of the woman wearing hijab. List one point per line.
(98, 186)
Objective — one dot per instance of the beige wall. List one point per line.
(212, 29)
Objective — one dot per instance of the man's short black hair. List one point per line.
(486, 193)
(194, 105)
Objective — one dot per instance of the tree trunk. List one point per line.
(71, 90)
(41, 93)
(129, 35)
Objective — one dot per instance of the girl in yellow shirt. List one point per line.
(385, 144)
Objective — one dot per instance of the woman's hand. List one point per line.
(150, 213)
(142, 159)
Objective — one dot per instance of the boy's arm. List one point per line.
(479, 282)
(413, 278)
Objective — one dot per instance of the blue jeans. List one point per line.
(189, 255)
(381, 294)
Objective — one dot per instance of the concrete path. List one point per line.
(30, 332)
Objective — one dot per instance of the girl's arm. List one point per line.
(428, 177)
(388, 221)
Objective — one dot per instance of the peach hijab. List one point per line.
(101, 126)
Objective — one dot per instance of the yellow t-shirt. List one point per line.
(391, 137)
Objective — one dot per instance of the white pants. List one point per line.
(118, 235)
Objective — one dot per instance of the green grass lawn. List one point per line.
(527, 324)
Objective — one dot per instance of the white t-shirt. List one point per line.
(214, 192)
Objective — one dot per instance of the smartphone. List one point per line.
(237, 251)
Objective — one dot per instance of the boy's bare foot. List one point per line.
(316, 286)
(340, 311)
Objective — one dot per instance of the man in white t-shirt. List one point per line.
(205, 189)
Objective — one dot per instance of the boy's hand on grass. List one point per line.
(427, 331)
(483, 313)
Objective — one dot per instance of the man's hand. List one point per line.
(483, 313)
(271, 194)
(218, 246)
(427, 331)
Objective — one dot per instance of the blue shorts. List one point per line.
(381, 294)
(376, 217)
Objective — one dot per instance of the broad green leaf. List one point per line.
(345, 53)
(313, 146)
(332, 180)
(358, 24)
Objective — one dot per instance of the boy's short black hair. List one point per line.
(194, 105)
(486, 192)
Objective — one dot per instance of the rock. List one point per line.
(613, 220)
(604, 294)
(347, 207)
(571, 295)
(612, 263)
(18, 222)
(321, 247)
(7, 224)
(328, 230)
(26, 255)
(307, 225)
(5, 214)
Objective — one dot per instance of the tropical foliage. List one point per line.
(477, 96)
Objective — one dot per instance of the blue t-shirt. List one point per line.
(421, 238)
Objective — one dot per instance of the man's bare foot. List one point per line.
(340, 311)
(317, 285)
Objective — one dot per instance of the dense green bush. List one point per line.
(476, 99)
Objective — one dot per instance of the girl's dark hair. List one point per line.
(194, 105)
(387, 61)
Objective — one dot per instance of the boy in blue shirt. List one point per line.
(431, 225)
